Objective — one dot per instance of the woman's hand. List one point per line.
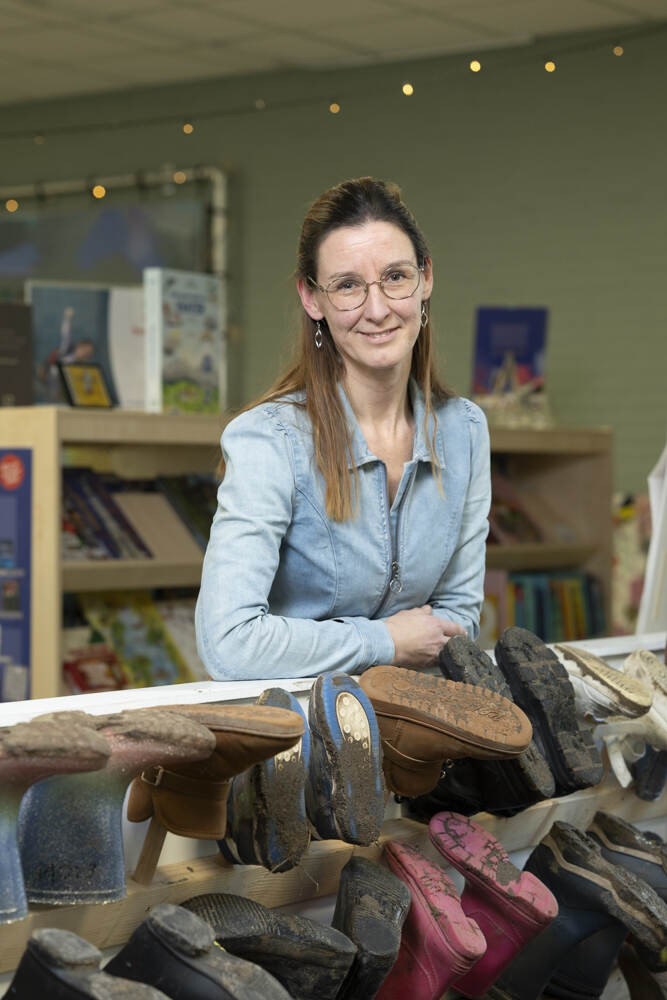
(419, 635)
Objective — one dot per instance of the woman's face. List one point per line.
(380, 334)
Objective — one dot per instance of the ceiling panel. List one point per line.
(79, 46)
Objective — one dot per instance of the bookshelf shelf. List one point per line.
(563, 473)
(129, 574)
(542, 556)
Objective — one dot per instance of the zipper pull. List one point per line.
(395, 583)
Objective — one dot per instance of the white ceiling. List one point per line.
(51, 48)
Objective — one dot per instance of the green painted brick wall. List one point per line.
(532, 188)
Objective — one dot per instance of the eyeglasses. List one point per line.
(351, 291)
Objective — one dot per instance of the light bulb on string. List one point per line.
(334, 108)
(188, 128)
(475, 66)
(550, 66)
(618, 50)
(98, 191)
(179, 177)
(11, 205)
(408, 89)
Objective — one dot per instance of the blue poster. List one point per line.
(15, 534)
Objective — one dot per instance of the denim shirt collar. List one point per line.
(362, 455)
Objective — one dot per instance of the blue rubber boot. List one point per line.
(345, 791)
(266, 810)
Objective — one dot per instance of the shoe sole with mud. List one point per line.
(527, 776)
(342, 719)
(541, 687)
(310, 959)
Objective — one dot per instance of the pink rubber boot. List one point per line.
(511, 907)
(439, 943)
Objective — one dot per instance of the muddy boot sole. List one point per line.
(371, 906)
(175, 950)
(540, 685)
(266, 812)
(345, 787)
(62, 966)
(528, 776)
(308, 958)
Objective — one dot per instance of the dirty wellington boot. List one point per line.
(586, 968)
(624, 844)
(439, 943)
(70, 826)
(30, 752)
(524, 779)
(592, 895)
(308, 958)
(510, 907)
(540, 685)
(266, 812)
(426, 720)
(345, 792)
(600, 690)
(371, 907)
(642, 984)
(190, 797)
(62, 966)
(174, 950)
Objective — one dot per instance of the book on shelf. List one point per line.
(557, 606)
(86, 492)
(89, 663)
(16, 346)
(194, 498)
(74, 321)
(131, 625)
(185, 342)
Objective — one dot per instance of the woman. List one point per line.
(352, 516)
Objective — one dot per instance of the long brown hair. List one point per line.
(317, 372)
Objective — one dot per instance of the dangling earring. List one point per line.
(424, 315)
(318, 336)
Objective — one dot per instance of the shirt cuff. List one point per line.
(378, 643)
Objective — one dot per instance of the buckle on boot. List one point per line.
(157, 773)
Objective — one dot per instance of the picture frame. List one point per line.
(84, 384)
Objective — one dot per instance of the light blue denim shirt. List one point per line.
(286, 592)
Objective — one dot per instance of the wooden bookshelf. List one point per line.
(562, 474)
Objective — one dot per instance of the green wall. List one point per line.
(532, 188)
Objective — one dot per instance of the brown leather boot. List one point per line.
(426, 720)
(190, 799)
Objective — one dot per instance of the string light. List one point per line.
(11, 205)
(39, 140)
(188, 128)
(475, 65)
(550, 66)
(334, 108)
(180, 177)
(408, 89)
(618, 50)
(99, 191)
(260, 103)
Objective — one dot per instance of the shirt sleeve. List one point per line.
(460, 591)
(237, 637)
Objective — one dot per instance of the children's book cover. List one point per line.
(185, 342)
(510, 349)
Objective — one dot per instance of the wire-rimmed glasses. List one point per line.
(350, 291)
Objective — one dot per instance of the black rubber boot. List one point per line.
(541, 687)
(593, 895)
(309, 959)
(59, 965)
(585, 972)
(527, 778)
(650, 772)
(623, 844)
(371, 905)
(175, 951)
